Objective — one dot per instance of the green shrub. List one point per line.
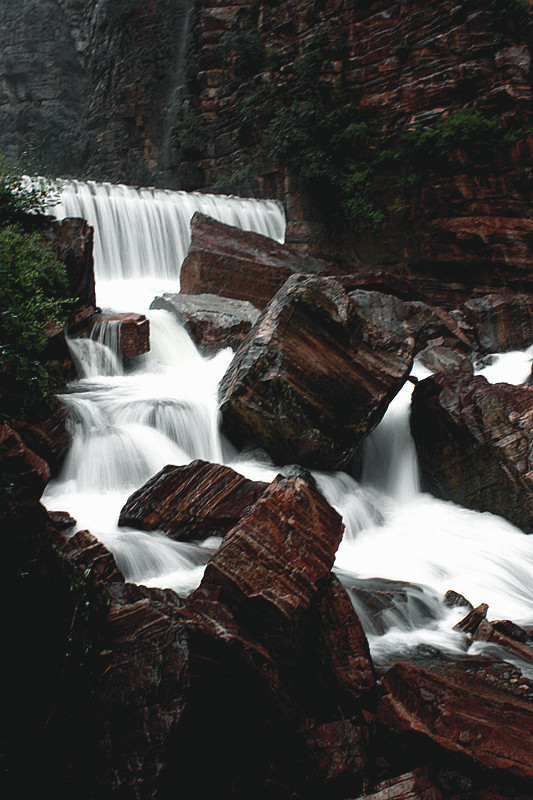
(33, 292)
(20, 196)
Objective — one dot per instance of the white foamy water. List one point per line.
(163, 409)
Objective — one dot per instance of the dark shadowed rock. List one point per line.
(501, 322)
(72, 242)
(275, 556)
(225, 260)
(23, 474)
(61, 520)
(462, 714)
(452, 599)
(475, 442)
(415, 785)
(47, 434)
(212, 322)
(87, 553)
(439, 358)
(191, 502)
(313, 377)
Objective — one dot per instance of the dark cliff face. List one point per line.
(405, 127)
(397, 134)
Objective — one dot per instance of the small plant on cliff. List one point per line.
(20, 196)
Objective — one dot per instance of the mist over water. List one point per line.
(162, 409)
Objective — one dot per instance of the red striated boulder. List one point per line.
(126, 333)
(72, 242)
(313, 377)
(212, 322)
(501, 322)
(24, 474)
(224, 260)
(461, 714)
(191, 502)
(88, 554)
(475, 443)
(415, 785)
(47, 434)
(440, 358)
(274, 557)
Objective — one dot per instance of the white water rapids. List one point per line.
(163, 409)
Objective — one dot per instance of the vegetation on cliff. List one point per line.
(33, 295)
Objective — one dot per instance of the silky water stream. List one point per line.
(399, 544)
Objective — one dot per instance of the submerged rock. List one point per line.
(191, 502)
(224, 260)
(313, 377)
(212, 322)
(475, 444)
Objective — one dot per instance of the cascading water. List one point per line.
(408, 546)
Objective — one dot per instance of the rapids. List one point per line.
(162, 408)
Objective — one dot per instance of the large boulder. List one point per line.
(501, 322)
(24, 475)
(475, 444)
(47, 434)
(127, 333)
(212, 322)
(463, 711)
(191, 502)
(313, 377)
(224, 260)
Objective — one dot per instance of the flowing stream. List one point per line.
(401, 545)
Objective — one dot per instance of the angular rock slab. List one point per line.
(475, 444)
(224, 260)
(133, 332)
(212, 322)
(313, 377)
(191, 502)
(501, 322)
(492, 728)
(275, 556)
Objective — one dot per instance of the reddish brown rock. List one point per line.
(275, 556)
(91, 557)
(473, 619)
(72, 242)
(191, 502)
(47, 434)
(212, 322)
(474, 442)
(24, 474)
(126, 333)
(461, 715)
(501, 322)
(61, 520)
(439, 358)
(452, 599)
(224, 260)
(415, 785)
(313, 377)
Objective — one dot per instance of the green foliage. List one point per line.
(33, 292)
(402, 50)
(467, 128)
(20, 196)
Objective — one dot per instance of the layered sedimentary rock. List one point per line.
(212, 322)
(461, 715)
(25, 474)
(191, 502)
(223, 260)
(501, 322)
(47, 434)
(313, 377)
(72, 242)
(474, 443)
(131, 331)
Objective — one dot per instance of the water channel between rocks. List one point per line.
(407, 546)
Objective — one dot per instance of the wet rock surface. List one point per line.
(474, 444)
(132, 332)
(224, 260)
(72, 242)
(191, 502)
(501, 322)
(212, 322)
(313, 377)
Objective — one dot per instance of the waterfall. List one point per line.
(143, 233)
(407, 546)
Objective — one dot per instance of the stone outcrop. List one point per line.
(501, 322)
(313, 377)
(461, 715)
(130, 332)
(71, 240)
(191, 502)
(224, 260)
(47, 434)
(474, 443)
(24, 474)
(211, 321)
